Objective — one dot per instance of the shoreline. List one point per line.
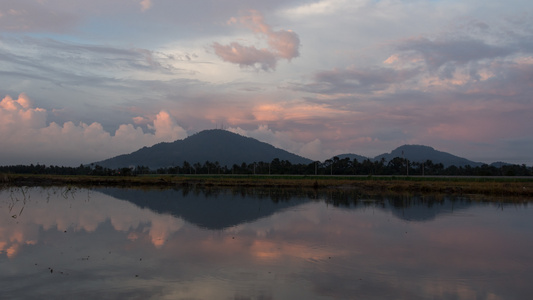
(490, 186)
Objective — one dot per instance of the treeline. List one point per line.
(335, 166)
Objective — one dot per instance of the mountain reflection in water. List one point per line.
(110, 243)
(211, 209)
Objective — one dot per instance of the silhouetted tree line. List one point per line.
(334, 166)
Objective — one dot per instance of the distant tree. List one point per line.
(275, 166)
(187, 167)
(197, 167)
(126, 172)
(397, 166)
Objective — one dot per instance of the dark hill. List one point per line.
(419, 153)
(215, 145)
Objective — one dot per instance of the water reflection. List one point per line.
(259, 244)
(212, 209)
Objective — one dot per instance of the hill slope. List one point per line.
(209, 145)
(419, 153)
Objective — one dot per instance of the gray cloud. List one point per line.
(437, 53)
(73, 64)
(246, 55)
(473, 45)
(23, 16)
(354, 80)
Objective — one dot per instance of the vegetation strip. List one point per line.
(496, 186)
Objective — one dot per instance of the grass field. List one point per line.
(496, 186)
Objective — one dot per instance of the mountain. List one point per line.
(209, 145)
(352, 156)
(419, 153)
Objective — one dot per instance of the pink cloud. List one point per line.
(282, 44)
(26, 135)
(146, 5)
(165, 128)
(246, 56)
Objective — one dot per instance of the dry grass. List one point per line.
(496, 186)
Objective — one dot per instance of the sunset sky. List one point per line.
(81, 81)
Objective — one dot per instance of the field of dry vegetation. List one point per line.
(494, 186)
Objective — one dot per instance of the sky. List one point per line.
(82, 81)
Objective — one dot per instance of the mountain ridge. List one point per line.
(215, 145)
(228, 148)
(421, 153)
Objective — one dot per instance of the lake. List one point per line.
(112, 243)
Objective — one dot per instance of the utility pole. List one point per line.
(406, 162)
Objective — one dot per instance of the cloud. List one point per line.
(358, 80)
(457, 59)
(165, 128)
(472, 45)
(146, 5)
(282, 44)
(439, 53)
(64, 63)
(283, 140)
(324, 7)
(464, 59)
(26, 136)
(24, 16)
(246, 56)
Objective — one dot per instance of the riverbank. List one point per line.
(494, 186)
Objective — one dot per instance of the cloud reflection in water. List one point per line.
(113, 243)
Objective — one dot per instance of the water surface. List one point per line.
(70, 243)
